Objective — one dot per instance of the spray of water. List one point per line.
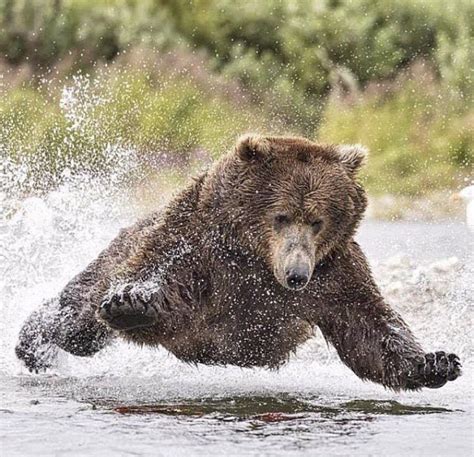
(46, 239)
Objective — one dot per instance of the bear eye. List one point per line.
(281, 219)
(317, 225)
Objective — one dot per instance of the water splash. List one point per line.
(47, 237)
(45, 241)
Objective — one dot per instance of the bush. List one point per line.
(279, 50)
(313, 44)
(42, 32)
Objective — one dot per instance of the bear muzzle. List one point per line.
(294, 270)
(297, 277)
(294, 255)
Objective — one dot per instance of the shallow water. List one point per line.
(135, 401)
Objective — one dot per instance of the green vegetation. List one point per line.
(91, 123)
(420, 139)
(175, 80)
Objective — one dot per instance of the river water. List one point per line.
(137, 401)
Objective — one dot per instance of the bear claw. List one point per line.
(435, 369)
(127, 310)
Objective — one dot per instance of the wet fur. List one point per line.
(201, 275)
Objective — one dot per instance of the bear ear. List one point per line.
(252, 148)
(352, 156)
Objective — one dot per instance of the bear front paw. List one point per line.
(127, 308)
(435, 369)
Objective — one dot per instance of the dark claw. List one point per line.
(127, 310)
(443, 364)
(438, 368)
(455, 365)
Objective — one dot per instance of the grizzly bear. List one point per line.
(239, 269)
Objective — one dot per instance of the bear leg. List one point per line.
(376, 344)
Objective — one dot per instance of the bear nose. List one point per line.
(297, 278)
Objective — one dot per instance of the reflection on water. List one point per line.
(272, 409)
(104, 415)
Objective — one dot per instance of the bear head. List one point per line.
(288, 200)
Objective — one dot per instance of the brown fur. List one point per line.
(206, 279)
